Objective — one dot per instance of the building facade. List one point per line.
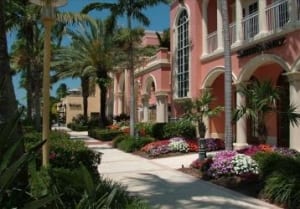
(265, 44)
(72, 105)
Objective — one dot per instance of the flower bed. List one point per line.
(180, 144)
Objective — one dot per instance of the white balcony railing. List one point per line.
(212, 42)
(232, 33)
(277, 15)
(250, 26)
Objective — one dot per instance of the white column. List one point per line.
(145, 100)
(241, 125)
(292, 4)
(204, 27)
(294, 79)
(120, 103)
(238, 22)
(126, 92)
(262, 20)
(219, 25)
(115, 111)
(161, 107)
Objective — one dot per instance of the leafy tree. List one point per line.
(131, 9)
(261, 100)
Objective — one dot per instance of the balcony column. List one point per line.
(161, 107)
(292, 7)
(204, 27)
(238, 22)
(220, 26)
(262, 19)
(145, 101)
(294, 80)
(241, 125)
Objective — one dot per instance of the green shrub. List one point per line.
(158, 130)
(104, 134)
(131, 144)
(144, 129)
(182, 128)
(281, 175)
(118, 139)
(128, 144)
(77, 127)
(283, 187)
(64, 152)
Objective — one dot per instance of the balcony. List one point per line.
(277, 20)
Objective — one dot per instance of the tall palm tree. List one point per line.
(90, 55)
(131, 9)
(228, 78)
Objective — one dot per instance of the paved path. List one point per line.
(166, 188)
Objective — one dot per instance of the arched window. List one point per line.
(182, 73)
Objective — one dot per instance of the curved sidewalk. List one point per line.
(166, 188)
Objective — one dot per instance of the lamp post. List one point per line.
(48, 17)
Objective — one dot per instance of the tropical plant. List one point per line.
(261, 100)
(131, 9)
(200, 108)
(164, 38)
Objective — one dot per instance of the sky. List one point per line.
(159, 20)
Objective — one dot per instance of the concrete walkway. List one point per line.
(162, 186)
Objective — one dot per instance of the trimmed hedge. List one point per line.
(77, 127)
(130, 144)
(183, 128)
(104, 134)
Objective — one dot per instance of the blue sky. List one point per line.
(159, 18)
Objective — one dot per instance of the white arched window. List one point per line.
(182, 73)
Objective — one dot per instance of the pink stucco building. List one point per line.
(265, 43)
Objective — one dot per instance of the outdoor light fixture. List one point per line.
(48, 17)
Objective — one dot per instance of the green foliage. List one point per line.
(281, 175)
(66, 153)
(118, 139)
(104, 134)
(183, 128)
(198, 109)
(144, 129)
(77, 127)
(158, 130)
(131, 144)
(80, 190)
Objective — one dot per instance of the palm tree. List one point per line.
(261, 100)
(8, 102)
(164, 38)
(90, 55)
(228, 78)
(131, 9)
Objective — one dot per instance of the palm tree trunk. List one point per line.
(29, 96)
(131, 76)
(85, 95)
(8, 102)
(228, 78)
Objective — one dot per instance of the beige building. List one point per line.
(72, 105)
